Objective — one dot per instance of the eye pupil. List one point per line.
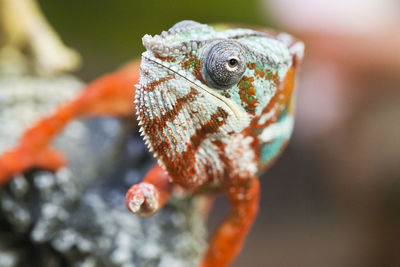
(224, 62)
(233, 62)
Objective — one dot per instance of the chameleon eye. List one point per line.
(224, 63)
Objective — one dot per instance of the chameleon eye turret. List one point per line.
(224, 63)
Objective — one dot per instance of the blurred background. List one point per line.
(333, 198)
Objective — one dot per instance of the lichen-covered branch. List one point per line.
(77, 215)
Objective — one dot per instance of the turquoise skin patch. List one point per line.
(271, 150)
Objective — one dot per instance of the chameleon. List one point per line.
(215, 106)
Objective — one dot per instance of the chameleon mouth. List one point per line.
(240, 115)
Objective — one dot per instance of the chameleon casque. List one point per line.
(215, 106)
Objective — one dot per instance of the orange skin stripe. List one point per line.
(171, 114)
(283, 95)
(112, 94)
(152, 85)
(287, 89)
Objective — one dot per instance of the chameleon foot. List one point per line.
(143, 199)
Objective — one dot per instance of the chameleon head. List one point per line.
(203, 85)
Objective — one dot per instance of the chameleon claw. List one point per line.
(143, 199)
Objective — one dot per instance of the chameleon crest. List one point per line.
(214, 102)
